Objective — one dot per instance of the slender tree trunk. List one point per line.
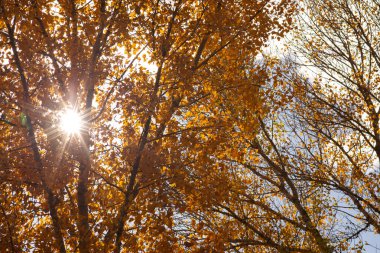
(51, 200)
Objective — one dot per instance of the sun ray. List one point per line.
(61, 151)
(53, 133)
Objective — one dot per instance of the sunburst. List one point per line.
(71, 122)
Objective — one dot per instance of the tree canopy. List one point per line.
(165, 126)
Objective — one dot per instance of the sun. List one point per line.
(71, 122)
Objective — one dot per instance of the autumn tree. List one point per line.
(306, 180)
(157, 87)
(343, 103)
(315, 154)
